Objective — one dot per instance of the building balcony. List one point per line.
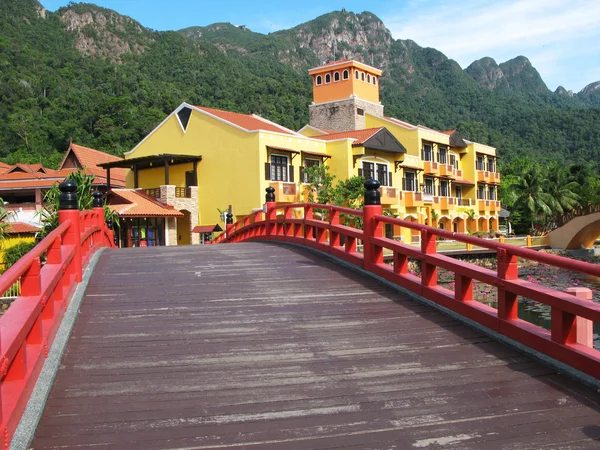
(494, 177)
(411, 198)
(286, 192)
(431, 168)
(389, 195)
(448, 203)
(488, 205)
(466, 202)
(483, 176)
(447, 170)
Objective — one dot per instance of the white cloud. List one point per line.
(546, 31)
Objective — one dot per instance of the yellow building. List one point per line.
(427, 176)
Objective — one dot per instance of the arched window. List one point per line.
(369, 78)
(356, 74)
(327, 78)
(375, 80)
(362, 76)
(345, 74)
(319, 80)
(336, 76)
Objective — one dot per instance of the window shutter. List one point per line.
(390, 179)
(268, 171)
(360, 172)
(291, 171)
(302, 177)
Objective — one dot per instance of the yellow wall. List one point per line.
(230, 171)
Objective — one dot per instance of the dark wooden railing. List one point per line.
(48, 274)
(284, 223)
(561, 219)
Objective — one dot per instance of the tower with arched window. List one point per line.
(343, 91)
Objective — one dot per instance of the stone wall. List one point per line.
(343, 115)
(167, 196)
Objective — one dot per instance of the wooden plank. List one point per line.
(260, 345)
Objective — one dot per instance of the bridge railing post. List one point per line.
(584, 328)
(270, 212)
(372, 228)
(98, 209)
(228, 224)
(68, 210)
(508, 269)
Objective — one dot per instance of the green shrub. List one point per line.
(14, 253)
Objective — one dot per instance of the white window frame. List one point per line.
(336, 74)
(327, 76)
(319, 80)
(345, 74)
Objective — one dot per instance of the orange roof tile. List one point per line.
(20, 227)
(360, 136)
(136, 203)
(249, 122)
(448, 132)
(90, 158)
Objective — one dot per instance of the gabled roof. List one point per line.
(90, 158)
(249, 122)
(373, 138)
(359, 136)
(136, 203)
(207, 228)
(20, 227)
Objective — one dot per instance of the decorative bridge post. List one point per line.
(270, 206)
(228, 223)
(98, 208)
(372, 255)
(68, 209)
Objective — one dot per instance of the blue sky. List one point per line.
(561, 38)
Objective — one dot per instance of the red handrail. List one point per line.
(329, 236)
(28, 327)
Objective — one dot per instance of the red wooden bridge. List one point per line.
(263, 344)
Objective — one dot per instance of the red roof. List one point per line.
(206, 228)
(448, 132)
(249, 122)
(32, 176)
(136, 203)
(90, 158)
(360, 136)
(20, 227)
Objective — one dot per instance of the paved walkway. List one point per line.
(268, 346)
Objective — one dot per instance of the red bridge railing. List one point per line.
(568, 312)
(49, 274)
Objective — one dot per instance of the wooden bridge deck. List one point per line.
(267, 346)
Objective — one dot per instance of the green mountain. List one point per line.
(101, 79)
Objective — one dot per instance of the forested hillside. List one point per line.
(90, 75)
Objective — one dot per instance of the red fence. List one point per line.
(567, 311)
(49, 275)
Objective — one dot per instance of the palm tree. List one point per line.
(562, 190)
(532, 197)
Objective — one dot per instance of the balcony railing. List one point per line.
(183, 192)
(466, 202)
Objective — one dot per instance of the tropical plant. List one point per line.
(320, 181)
(562, 190)
(13, 253)
(49, 214)
(532, 197)
(4, 219)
